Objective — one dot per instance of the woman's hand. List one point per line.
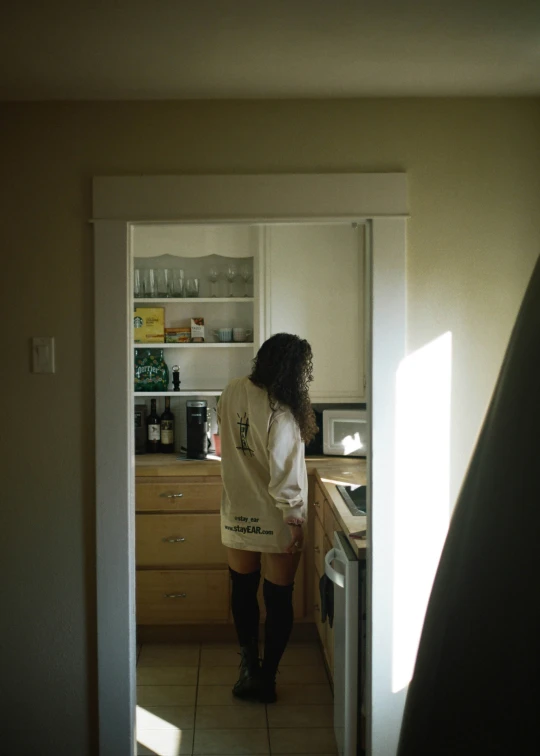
(297, 538)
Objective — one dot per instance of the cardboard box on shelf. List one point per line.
(149, 325)
(197, 329)
(178, 335)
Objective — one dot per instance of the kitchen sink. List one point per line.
(355, 499)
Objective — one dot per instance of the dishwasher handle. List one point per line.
(330, 572)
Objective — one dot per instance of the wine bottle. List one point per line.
(167, 429)
(152, 430)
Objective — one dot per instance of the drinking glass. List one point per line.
(178, 282)
(245, 275)
(213, 275)
(192, 287)
(230, 275)
(150, 283)
(137, 284)
(164, 282)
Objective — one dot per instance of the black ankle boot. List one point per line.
(247, 685)
(267, 688)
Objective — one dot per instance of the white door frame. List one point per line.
(119, 202)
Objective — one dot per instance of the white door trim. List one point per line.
(237, 198)
(122, 201)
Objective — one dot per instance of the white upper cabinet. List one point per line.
(315, 289)
(306, 279)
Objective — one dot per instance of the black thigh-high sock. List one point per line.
(245, 607)
(278, 626)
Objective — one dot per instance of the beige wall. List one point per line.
(474, 235)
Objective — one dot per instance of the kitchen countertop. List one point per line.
(329, 472)
(330, 476)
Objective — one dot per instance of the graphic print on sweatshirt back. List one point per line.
(263, 470)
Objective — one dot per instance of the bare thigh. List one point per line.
(280, 569)
(244, 562)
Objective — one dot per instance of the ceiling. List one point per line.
(184, 49)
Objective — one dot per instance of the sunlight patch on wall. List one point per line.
(422, 498)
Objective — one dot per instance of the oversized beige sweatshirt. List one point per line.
(263, 470)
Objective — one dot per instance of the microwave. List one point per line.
(345, 432)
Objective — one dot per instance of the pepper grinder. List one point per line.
(176, 378)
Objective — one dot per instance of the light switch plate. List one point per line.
(43, 354)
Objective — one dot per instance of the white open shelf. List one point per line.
(194, 392)
(206, 344)
(189, 300)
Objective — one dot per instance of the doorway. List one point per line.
(119, 203)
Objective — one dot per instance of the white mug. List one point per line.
(223, 334)
(240, 334)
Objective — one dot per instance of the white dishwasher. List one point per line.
(345, 571)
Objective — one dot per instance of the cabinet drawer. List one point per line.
(170, 597)
(318, 501)
(329, 521)
(174, 495)
(318, 546)
(178, 540)
(321, 627)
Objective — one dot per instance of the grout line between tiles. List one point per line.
(268, 729)
(196, 700)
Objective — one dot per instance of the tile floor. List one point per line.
(185, 705)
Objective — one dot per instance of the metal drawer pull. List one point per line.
(176, 595)
(171, 496)
(174, 540)
(317, 549)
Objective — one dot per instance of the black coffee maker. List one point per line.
(197, 429)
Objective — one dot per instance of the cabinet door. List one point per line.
(315, 289)
(330, 522)
(319, 502)
(319, 546)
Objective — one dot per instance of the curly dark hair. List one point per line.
(284, 367)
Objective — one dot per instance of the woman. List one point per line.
(265, 419)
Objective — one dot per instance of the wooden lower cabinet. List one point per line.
(318, 546)
(330, 523)
(182, 574)
(173, 597)
(323, 533)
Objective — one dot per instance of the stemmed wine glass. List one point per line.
(245, 275)
(230, 275)
(213, 275)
